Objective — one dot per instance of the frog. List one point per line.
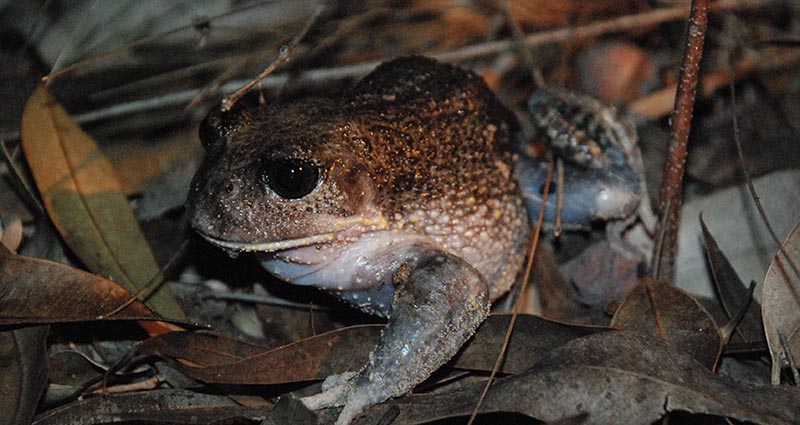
(407, 196)
(403, 196)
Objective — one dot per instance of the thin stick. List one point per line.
(519, 46)
(787, 353)
(661, 102)
(153, 284)
(531, 255)
(262, 299)
(749, 179)
(672, 182)
(283, 55)
(733, 322)
(559, 196)
(141, 42)
(24, 189)
(625, 23)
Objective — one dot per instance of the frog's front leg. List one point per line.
(438, 303)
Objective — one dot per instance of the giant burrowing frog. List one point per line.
(399, 196)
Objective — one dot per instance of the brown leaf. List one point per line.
(72, 368)
(218, 359)
(663, 311)
(601, 276)
(84, 200)
(40, 291)
(558, 298)
(157, 406)
(780, 297)
(221, 360)
(23, 372)
(615, 378)
(732, 292)
(11, 232)
(532, 339)
(199, 348)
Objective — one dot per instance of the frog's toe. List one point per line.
(437, 306)
(335, 390)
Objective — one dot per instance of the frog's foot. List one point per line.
(616, 234)
(438, 303)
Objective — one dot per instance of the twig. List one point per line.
(748, 178)
(519, 46)
(662, 101)
(142, 42)
(733, 323)
(672, 182)
(787, 353)
(284, 54)
(147, 384)
(559, 196)
(616, 25)
(152, 285)
(625, 23)
(19, 182)
(262, 299)
(517, 305)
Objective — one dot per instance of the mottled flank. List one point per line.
(582, 129)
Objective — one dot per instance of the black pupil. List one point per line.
(291, 178)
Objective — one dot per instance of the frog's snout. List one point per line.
(213, 206)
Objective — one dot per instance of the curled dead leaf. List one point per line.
(780, 298)
(663, 311)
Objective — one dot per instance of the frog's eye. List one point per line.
(217, 126)
(291, 178)
(212, 131)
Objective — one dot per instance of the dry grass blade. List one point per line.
(748, 178)
(529, 265)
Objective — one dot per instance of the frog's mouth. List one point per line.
(270, 246)
(345, 230)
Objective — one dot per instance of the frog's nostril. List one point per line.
(229, 187)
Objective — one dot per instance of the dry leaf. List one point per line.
(84, 200)
(615, 378)
(23, 372)
(732, 292)
(218, 359)
(532, 339)
(780, 298)
(663, 311)
(11, 232)
(41, 291)
(156, 406)
(221, 360)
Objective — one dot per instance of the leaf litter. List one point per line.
(663, 362)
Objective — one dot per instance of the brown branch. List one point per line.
(284, 54)
(672, 182)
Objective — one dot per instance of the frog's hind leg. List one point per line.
(438, 303)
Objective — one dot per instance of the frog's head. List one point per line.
(280, 176)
